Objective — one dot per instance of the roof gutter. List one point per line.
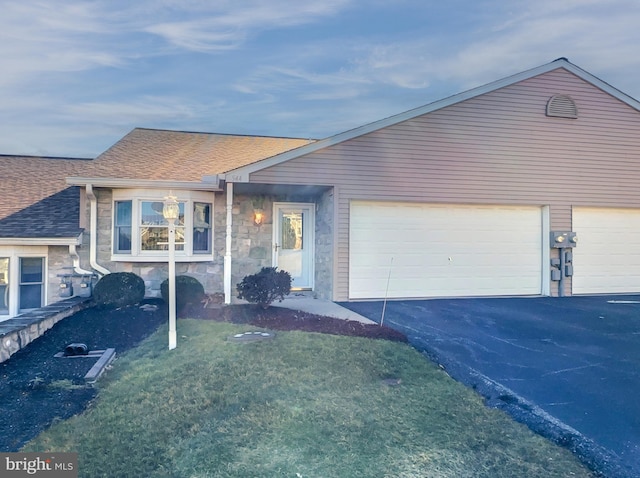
(209, 183)
(93, 232)
(41, 241)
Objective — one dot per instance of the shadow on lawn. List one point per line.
(38, 388)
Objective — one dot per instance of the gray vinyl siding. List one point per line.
(497, 148)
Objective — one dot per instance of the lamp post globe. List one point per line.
(171, 208)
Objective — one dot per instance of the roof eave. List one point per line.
(41, 241)
(209, 183)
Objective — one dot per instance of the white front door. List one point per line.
(293, 242)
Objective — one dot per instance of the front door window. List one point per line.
(31, 282)
(293, 242)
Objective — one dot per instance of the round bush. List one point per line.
(189, 291)
(264, 287)
(119, 289)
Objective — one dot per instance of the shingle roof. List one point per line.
(54, 216)
(150, 154)
(35, 199)
(37, 202)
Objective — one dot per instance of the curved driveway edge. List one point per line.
(569, 367)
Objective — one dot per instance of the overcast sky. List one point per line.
(75, 76)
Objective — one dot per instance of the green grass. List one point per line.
(300, 405)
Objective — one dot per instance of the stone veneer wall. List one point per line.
(251, 245)
(324, 246)
(26, 328)
(251, 248)
(209, 273)
(59, 262)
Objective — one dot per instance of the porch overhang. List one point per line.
(298, 191)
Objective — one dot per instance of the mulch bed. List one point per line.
(32, 392)
(279, 318)
(37, 388)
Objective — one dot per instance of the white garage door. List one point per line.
(607, 256)
(443, 250)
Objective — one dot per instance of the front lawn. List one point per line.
(299, 405)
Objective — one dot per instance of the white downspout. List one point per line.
(93, 232)
(227, 253)
(76, 261)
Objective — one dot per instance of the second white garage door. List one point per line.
(443, 250)
(607, 256)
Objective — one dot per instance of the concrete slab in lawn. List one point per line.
(568, 367)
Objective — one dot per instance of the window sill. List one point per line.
(161, 258)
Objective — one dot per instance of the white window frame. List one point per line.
(14, 253)
(137, 196)
(42, 283)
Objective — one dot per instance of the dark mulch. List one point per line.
(278, 318)
(32, 394)
(38, 388)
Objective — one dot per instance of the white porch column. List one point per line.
(227, 253)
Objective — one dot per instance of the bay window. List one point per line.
(154, 228)
(140, 231)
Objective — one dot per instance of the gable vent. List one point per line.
(562, 106)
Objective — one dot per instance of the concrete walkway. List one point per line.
(306, 303)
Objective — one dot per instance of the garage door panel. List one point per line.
(607, 256)
(444, 250)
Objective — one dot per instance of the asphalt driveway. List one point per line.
(567, 367)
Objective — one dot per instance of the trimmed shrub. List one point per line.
(265, 286)
(189, 291)
(119, 289)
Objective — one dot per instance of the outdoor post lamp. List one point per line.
(171, 212)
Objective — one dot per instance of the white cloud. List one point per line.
(218, 29)
(602, 34)
(145, 110)
(79, 70)
(41, 37)
(294, 80)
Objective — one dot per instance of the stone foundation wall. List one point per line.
(18, 332)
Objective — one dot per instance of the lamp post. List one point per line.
(171, 212)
